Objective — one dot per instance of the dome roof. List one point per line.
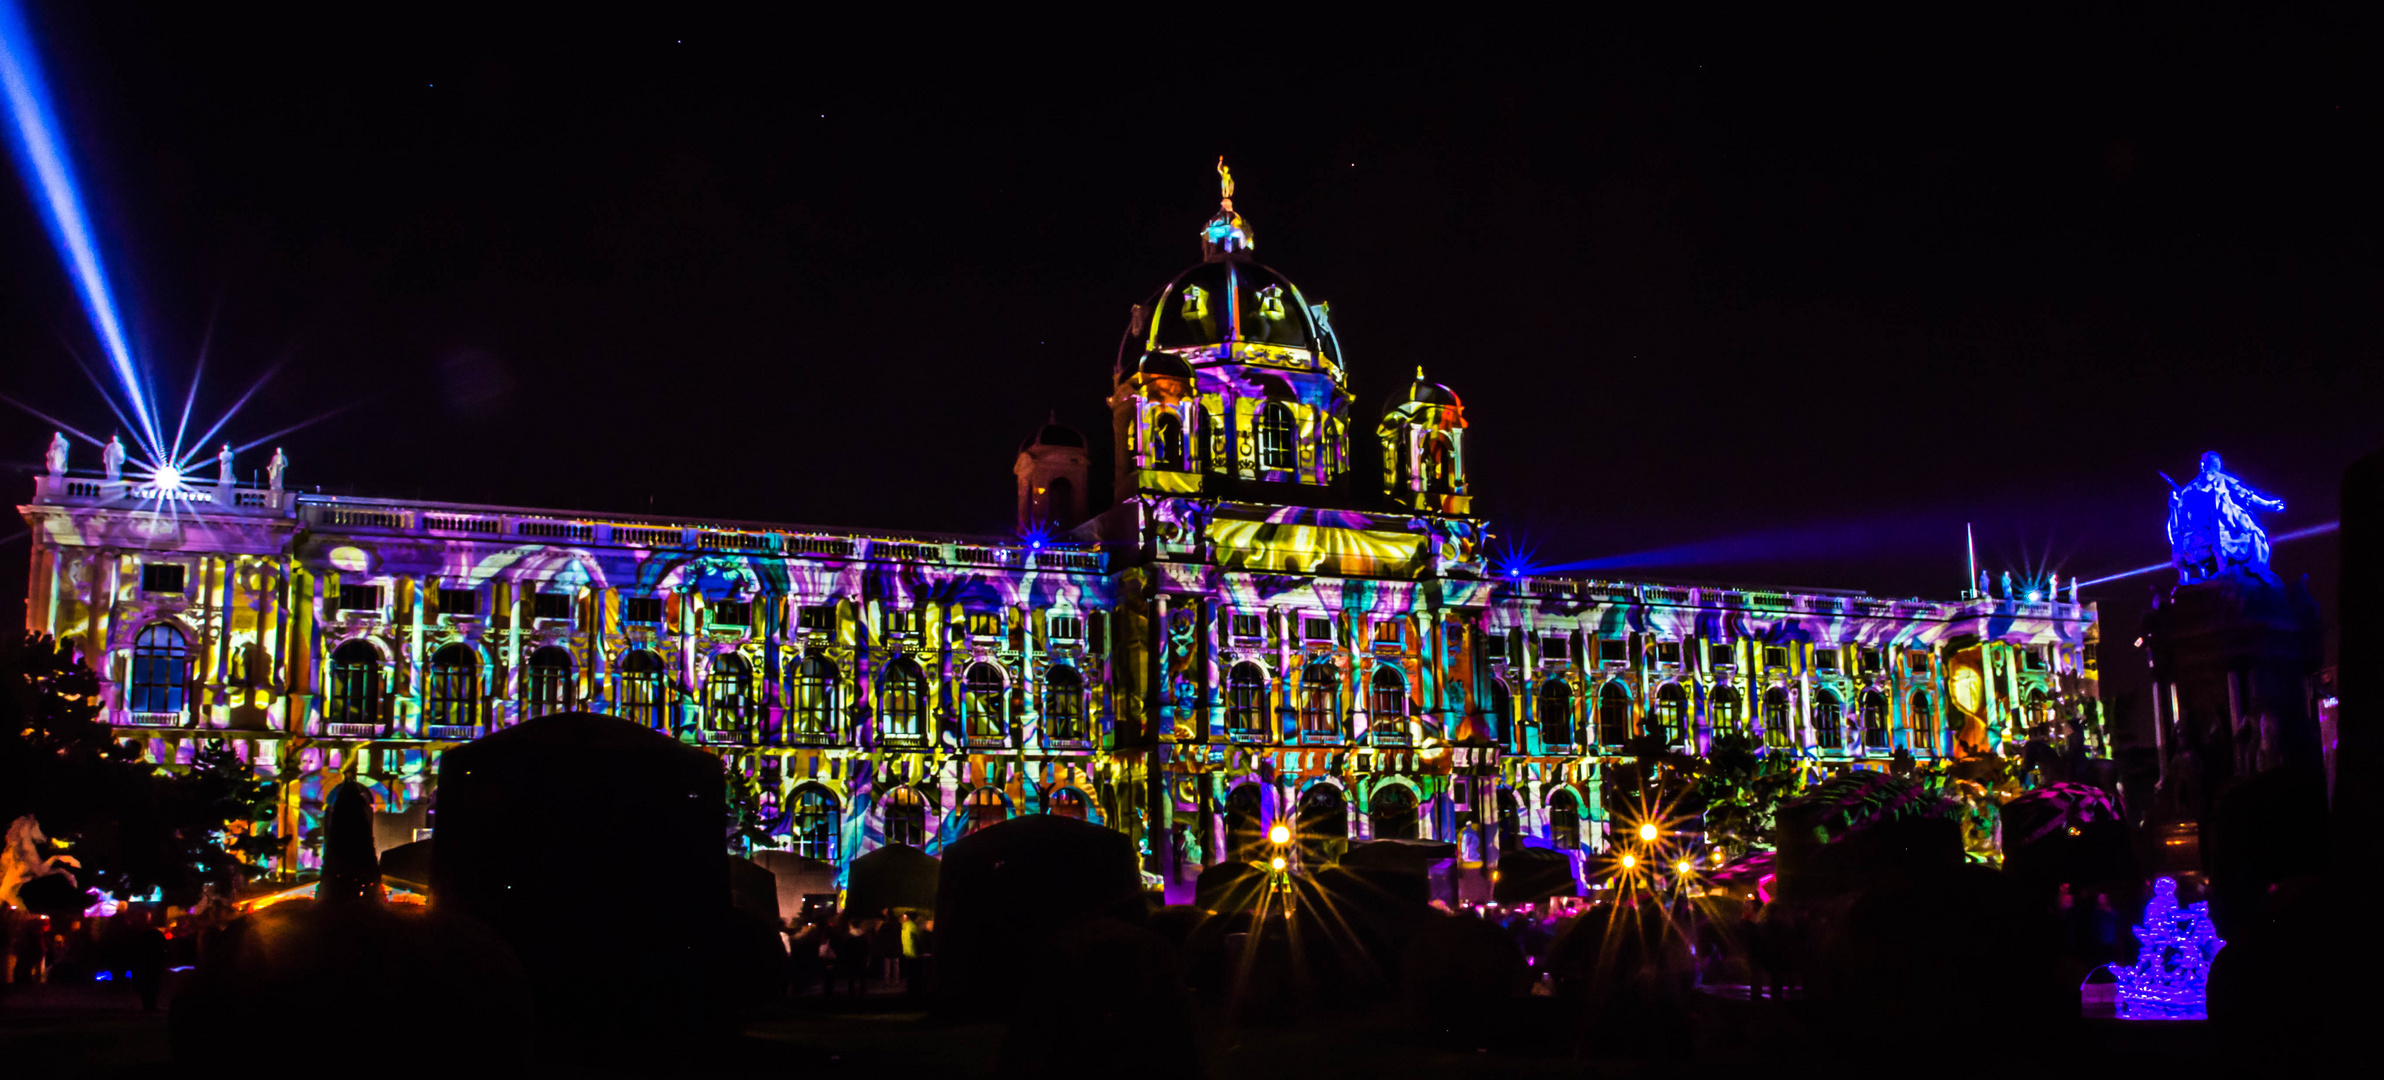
(1424, 392)
(1223, 302)
(1160, 363)
(1054, 434)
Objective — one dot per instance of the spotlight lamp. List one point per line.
(1649, 832)
(1279, 835)
(1277, 863)
(1684, 867)
(1629, 861)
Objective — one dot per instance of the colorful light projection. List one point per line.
(2170, 979)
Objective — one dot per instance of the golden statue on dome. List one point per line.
(1226, 233)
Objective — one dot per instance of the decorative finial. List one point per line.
(1226, 233)
(1419, 373)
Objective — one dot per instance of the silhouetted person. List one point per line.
(148, 962)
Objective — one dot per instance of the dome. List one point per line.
(1234, 299)
(1424, 392)
(1159, 363)
(1054, 434)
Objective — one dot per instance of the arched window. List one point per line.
(1278, 435)
(641, 690)
(1167, 440)
(731, 687)
(1201, 458)
(1726, 712)
(984, 685)
(1393, 809)
(1510, 820)
(902, 702)
(1323, 832)
(1828, 720)
(1921, 724)
(817, 823)
(1564, 821)
(1320, 698)
(454, 699)
(906, 817)
(1778, 732)
(1502, 714)
(355, 685)
(1440, 463)
(160, 672)
(2040, 713)
(548, 684)
(1614, 713)
(1063, 704)
(1672, 713)
(815, 717)
(1245, 825)
(986, 806)
(1065, 802)
(1387, 699)
(1245, 697)
(1556, 713)
(1874, 720)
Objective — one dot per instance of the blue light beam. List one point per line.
(41, 160)
(2314, 530)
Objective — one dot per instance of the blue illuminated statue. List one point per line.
(2211, 528)
(2170, 979)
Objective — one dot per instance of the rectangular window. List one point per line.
(1064, 628)
(1388, 631)
(732, 613)
(2088, 654)
(1869, 657)
(1499, 643)
(1668, 652)
(1775, 656)
(1918, 661)
(1248, 627)
(816, 617)
(459, 602)
(1825, 658)
(642, 609)
(1720, 654)
(161, 578)
(1098, 631)
(1614, 650)
(985, 624)
(1554, 648)
(360, 598)
(2033, 659)
(1317, 629)
(550, 605)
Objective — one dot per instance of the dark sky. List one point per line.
(1806, 295)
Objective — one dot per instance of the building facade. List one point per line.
(1284, 613)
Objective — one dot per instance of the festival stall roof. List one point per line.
(798, 876)
(894, 876)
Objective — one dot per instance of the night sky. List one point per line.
(1770, 303)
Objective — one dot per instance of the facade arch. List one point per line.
(984, 806)
(1246, 697)
(1063, 704)
(161, 672)
(1873, 705)
(1564, 819)
(818, 817)
(1778, 721)
(903, 814)
(1394, 811)
(1245, 822)
(1670, 721)
(358, 683)
(1320, 697)
(1321, 824)
(1726, 712)
(984, 686)
(645, 695)
(902, 702)
(547, 684)
(1829, 718)
(454, 697)
(1614, 713)
(814, 716)
(1920, 722)
(1555, 708)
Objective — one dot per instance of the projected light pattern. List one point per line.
(1241, 641)
(42, 161)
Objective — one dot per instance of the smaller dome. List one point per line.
(1054, 433)
(1425, 392)
(1161, 363)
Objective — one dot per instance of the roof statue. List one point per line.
(2211, 528)
(111, 458)
(56, 458)
(1226, 233)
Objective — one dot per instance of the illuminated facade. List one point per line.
(1284, 613)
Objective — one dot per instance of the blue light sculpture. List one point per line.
(2170, 979)
(2211, 529)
